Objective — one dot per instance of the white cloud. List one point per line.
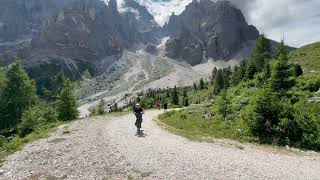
(297, 21)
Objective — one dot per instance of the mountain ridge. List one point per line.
(79, 35)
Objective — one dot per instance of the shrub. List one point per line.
(14, 144)
(272, 119)
(308, 118)
(31, 118)
(3, 140)
(101, 107)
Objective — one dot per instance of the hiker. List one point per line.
(165, 106)
(138, 111)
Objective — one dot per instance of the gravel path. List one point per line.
(107, 148)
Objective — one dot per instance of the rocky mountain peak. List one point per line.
(75, 35)
(215, 30)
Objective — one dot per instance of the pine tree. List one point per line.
(201, 84)
(213, 74)
(268, 71)
(186, 102)
(280, 77)
(226, 76)
(219, 82)
(261, 52)
(243, 69)
(185, 93)
(18, 94)
(58, 83)
(280, 81)
(168, 93)
(282, 49)
(101, 106)
(194, 86)
(46, 94)
(2, 82)
(236, 77)
(67, 103)
(265, 114)
(222, 105)
(251, 71)
(175, 97)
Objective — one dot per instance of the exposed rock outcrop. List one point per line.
(207, 29)
(73, 35)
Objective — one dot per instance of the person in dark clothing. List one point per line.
(165, 106)
(138, 111)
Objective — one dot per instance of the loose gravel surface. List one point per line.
(107, 148)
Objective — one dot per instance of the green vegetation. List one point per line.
(308, 57)
(67, 103)
(265, 100)
(101, 107)
(175, 97)
(26, 116)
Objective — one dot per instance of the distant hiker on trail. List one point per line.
(138, 111)
(165, 106)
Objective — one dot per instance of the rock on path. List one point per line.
(107, 148)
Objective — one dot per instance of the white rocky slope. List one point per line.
(139, 71)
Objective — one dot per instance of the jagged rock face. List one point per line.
(207, 29)
(143, 27)
(22, 18)
(73, 35)
(11, 22)
(77, 38)
(88, 30)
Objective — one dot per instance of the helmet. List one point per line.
(138, 105)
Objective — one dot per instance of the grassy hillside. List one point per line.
(268, 102)
(308, 57)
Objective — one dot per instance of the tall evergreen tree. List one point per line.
(222, 105)
(67, 103)
(175, 96)
(101, 106)
(213, 74)
(58, 83)
(2, 82)
(168, 93)
(243, 69)
(201, 84)
(185, 93)
(219, 82)
(186, 102)
(280, 81)
(251, 71)
(236, 76)
(194, 86)
(18, 94)
(282, 49)
(261, 52)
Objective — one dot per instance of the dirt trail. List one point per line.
(107, 148)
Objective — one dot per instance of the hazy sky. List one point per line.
(297, 21)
